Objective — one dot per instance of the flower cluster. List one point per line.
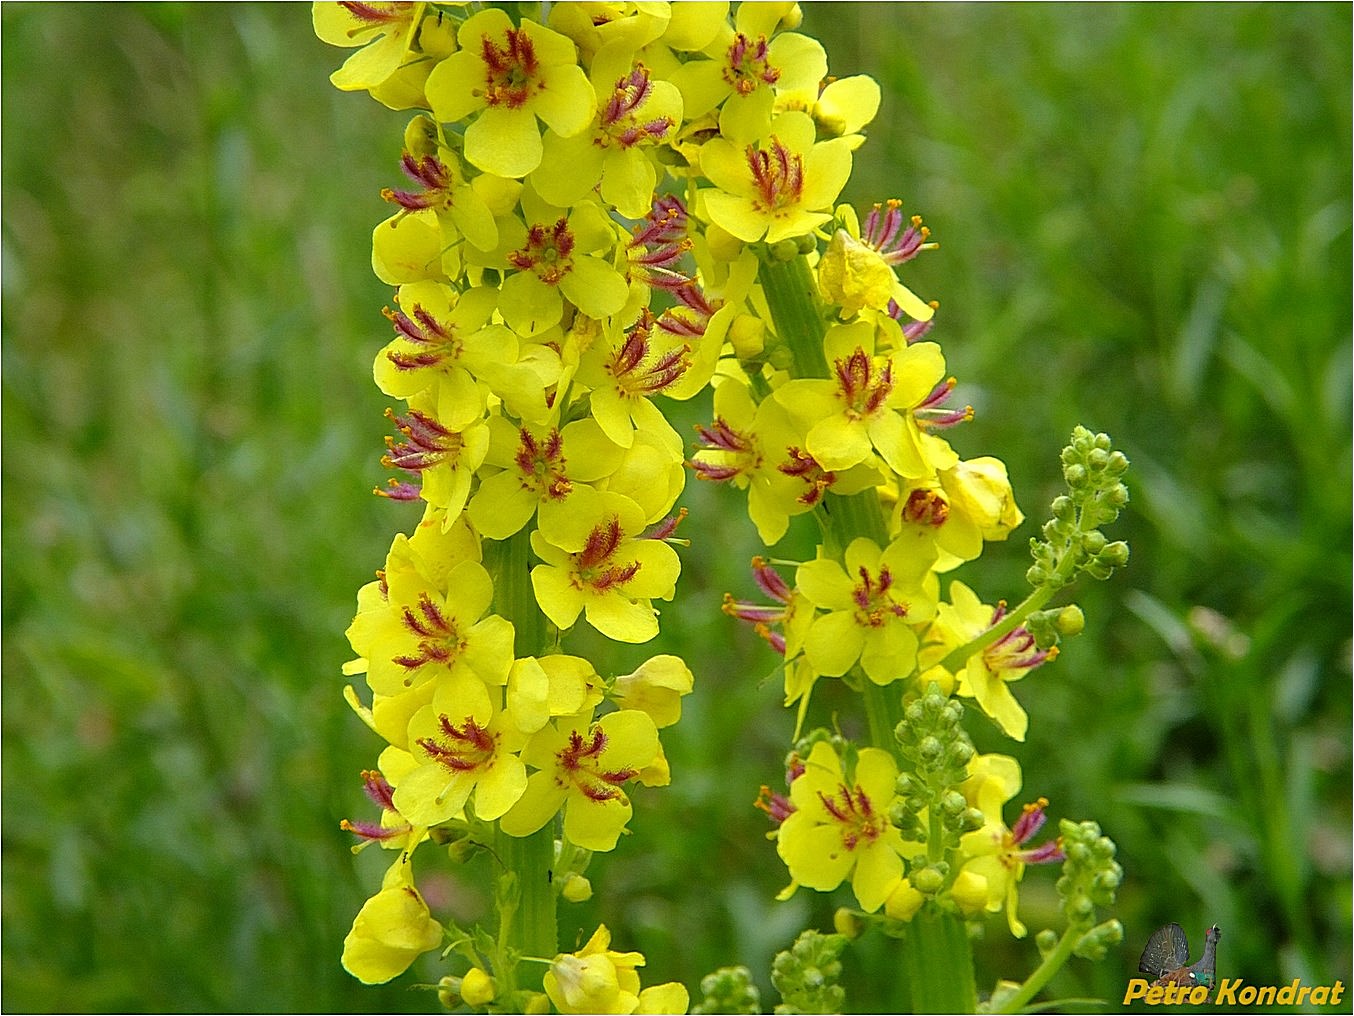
(607, 208)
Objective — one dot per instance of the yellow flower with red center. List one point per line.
(840, 828)
(785, 186)
(583, 766)
(595, 562)
(510, 76)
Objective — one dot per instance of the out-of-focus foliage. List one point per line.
(1144, 215)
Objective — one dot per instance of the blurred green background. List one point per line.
(1144, 216)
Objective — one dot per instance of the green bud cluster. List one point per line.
(1090, 878)
(932, 738)
(729, 990)
(1073, 543)
(1049, 627)
(806, 975)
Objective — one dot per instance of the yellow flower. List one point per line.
(872, 404)
(872, 605)
(456, 752)
(595, 561)
(385, 31)
(583, 767)
(391, 929)
(987, 675)
(510, 76)
(840, 828)
(596, 979)
(783, 187)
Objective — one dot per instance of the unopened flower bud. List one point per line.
(1070, 620)
(928, 880)
(537, 1005)
(477, 988)
(847, 922)
(420, 137)
(576, 888)
(747, 334)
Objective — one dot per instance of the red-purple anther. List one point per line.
(428, 444)
(931, 413)
(658, 243)
(778, 807)
(435, 343)
(548, 252)
(376, 14)
(542, 465)
(858, 385)
(509, 70)
(668, 526)
(925, 507)
(631, 367)
(805, 467)
(376, 788)
(432, 173)
(769, 580)
(746, 65)
(458, 749)
(596, 785)
(720, 437)
(398, 490)
(1031, 820)
(382, 794)
(912, 330)
(855, 811)
(883, 231)
(592, 562)
(1017, 649)
(629, 93)
(778, 174)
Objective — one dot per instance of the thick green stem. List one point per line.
(938, 964)
(525, 897)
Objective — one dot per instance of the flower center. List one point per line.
(777, 174)
(580, 763)
(593, 564)
(639, 370)
(860, 387)
(547, 252)
(875, 604)
(434, 342)
(459, 749)
(541, 464)
(439, 641)
(852, 809)
(746, 66)
(817, 480)
(429, 443)
(621, 118)
(925, 507)
(509, 70)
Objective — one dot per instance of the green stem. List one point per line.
(1043, 973)
(525, 897)
(938, 963)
